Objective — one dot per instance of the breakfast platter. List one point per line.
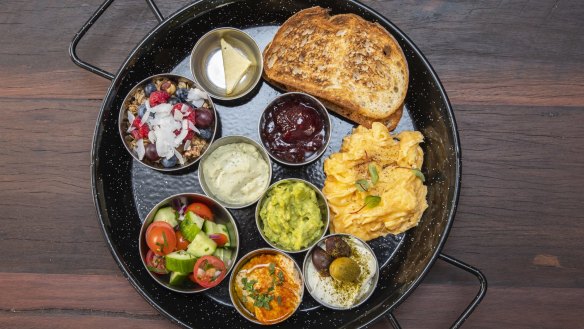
(283, 163)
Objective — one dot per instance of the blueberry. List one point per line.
(173, 100)
(182, 94)
(141, 110)
(149, 89)
(170, 162)
(206, 134)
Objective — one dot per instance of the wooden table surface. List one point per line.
(514, 71)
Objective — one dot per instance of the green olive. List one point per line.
(345, 269)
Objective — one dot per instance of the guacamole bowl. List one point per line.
(292, 215)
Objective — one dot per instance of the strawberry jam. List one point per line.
(293, 128)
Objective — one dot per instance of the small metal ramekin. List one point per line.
(206, 49)
(123, 119)
(225, 141)
(221, 216)
(322, 203)
(233, 294)
(319, 107)
(374, 279)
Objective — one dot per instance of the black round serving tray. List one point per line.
(126, 190)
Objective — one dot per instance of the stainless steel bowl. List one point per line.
(318, 106)
(233, 295)
(123, 121)
(207, 62)
(221, 216)
(374, 279)
(225, 141)
(322, 203)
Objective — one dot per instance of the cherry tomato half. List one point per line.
(155, 263)
(209, 271)
(219, 238)
(181, 242)
(201, 210)
(161, 238)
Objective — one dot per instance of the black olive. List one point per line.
(321, 261)
(337, 247)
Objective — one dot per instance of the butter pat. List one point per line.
(234, 64)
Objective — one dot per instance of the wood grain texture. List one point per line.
(512, 69)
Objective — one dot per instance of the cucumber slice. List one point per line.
(191, 225)
(166, 214)
(180, 261)
(224, 254)
(201, 246)
(177, 278)
(210, 227)
(221, 228)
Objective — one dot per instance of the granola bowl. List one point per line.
(167, 122)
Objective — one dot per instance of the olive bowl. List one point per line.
(308, 274)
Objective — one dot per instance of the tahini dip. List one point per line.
(343, 294)
(236, 173)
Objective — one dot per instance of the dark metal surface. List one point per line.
(125, 190)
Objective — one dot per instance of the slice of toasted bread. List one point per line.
(354, 66)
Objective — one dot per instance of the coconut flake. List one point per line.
(198, 102)
(181, 160)
(184, 108)
(193, 95)
(140, 149)
(164, 143)
(162, 108)
(196, 94)
(187, 145)
(146, 116)
(130, 129)
(194, 128)
(201, 93)
(152, 136)
(183, 133)
(131, 117)
(178, 115)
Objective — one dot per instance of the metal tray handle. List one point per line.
(73, 46)
(473, 304)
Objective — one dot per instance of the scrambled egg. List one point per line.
(402, 192)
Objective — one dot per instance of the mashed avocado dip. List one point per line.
(291, 216)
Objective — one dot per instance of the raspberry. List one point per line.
(189, 112)
(176, 107)
(136, 134)
(137, 122)
(144, 130)
(192, 117)
(189, 135)
(158, 97)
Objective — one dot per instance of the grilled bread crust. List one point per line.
(355, 67)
